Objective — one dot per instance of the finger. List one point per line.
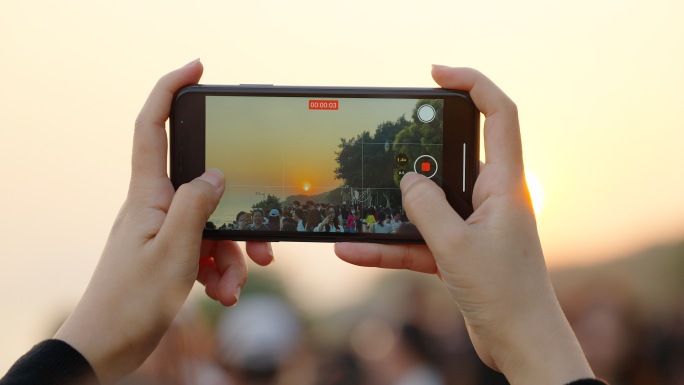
(206, 266)
(192, 205)
(212, 283)
(409, 257)
(501, 130)
(232, 269)
(427, 208)
(260, 252)
(149, 140)
(208, 274)
(207, 248)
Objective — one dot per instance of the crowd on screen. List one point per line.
(317, 217)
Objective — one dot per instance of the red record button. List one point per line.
(324, 104)
(426, 165)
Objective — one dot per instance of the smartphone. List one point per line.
(323, 163)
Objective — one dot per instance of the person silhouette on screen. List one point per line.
(274, 220)
(258, 222)
(331, 222)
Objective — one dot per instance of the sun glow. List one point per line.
(306, 186)
(536, 192)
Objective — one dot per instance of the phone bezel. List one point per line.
(187, 147)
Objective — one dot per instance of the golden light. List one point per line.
(536, 192)
(306, 186)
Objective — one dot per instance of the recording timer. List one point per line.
(324, 104)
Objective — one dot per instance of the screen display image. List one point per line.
(299, 164)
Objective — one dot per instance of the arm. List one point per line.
(154, 252)
(492, 263)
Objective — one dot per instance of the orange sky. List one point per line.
(598, 86)
(290, 135)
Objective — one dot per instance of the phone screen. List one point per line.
(341, 157)
(323, 165)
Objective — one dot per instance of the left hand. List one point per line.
(155, 251)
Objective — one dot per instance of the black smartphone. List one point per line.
(323, 163)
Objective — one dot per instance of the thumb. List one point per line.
(190, 209)
(427, 208)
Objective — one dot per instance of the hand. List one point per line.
(155, 251)
(324, 222)
(492, 263)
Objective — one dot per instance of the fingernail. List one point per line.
(192, 63)
(269, 250)
(406, 175)
(408, 179)
(213, 176)
(238, 290)
(439, 66)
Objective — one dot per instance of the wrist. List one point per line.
(112, 346)
(543, 350)
(116, 334)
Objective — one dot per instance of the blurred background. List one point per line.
(598, 85)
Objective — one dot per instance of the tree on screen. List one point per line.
(368, 162)
(269, 203)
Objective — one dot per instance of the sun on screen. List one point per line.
(306, 186)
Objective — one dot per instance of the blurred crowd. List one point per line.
(407, 332)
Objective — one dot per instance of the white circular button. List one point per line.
(426, 113)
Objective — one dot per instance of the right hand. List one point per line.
(492, 263)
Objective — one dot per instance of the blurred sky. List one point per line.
(598, 85)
